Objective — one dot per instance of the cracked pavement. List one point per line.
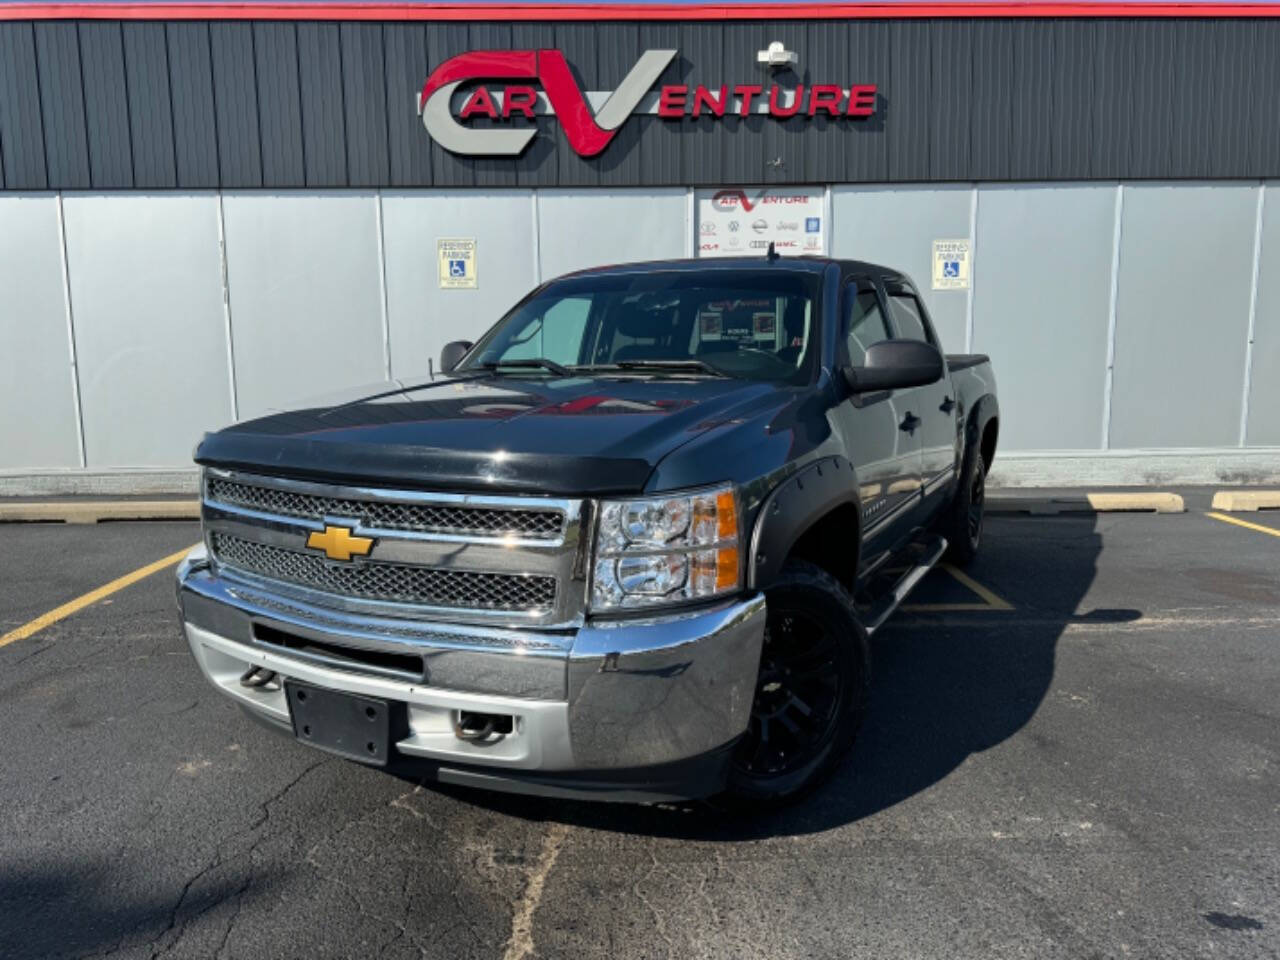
(1092, 774)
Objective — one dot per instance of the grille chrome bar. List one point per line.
(437, 515)
(394, 582)
(435, 556)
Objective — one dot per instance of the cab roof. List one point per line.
(809, 264)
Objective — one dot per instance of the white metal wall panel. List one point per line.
(1263, 426)
(588, 228)
(146, 295)
(37, 399)
(423, 317)
(896, 227)
(1041, 306)
(1182, 314)
(306, 294)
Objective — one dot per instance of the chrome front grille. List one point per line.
(449, 519)
(444, 557)
(391, 582)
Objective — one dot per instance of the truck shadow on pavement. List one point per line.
(944, 687)
(54, 910)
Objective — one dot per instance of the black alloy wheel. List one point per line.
(977, 504)
(961, 523)
(793, 715)
(811, 691)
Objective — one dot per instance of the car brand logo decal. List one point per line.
(338, 543)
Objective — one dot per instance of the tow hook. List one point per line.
(258, 677)
(477, 727)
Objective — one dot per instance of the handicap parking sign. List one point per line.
(812, 224)
(457, 259)
(952, 261)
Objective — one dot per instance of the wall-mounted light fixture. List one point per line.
(776, 56)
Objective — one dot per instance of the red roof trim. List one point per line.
(622, 11)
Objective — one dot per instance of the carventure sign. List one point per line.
(499, 86)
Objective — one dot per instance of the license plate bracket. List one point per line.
(347, 724)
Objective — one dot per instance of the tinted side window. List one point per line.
(908, 317)
(863, 322)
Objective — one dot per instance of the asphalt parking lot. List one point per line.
(1073, 752)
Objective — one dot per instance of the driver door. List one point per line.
(887, 459)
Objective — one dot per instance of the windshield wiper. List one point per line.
(530, 363)
(690, 365)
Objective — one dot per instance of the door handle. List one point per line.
(909, 423)
(947, 405)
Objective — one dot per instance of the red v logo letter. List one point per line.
(590, 133)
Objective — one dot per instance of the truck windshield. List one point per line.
(756, 325)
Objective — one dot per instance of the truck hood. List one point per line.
(572, 435)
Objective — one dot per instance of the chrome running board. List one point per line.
(883, 608)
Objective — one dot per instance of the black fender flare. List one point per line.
(792, 507)
(986, 409)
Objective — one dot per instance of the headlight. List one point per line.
(666, 549)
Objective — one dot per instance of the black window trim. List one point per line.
(895, 287)
(863, 282)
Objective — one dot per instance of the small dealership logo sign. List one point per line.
(509, 88)
(776, 216)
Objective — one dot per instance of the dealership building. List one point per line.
(208, 211)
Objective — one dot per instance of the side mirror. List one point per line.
(452, 353)
(895, 365)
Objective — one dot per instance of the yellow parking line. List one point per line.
(93, 596)
(993, 602)
(1245, 523)
(949, 607)
(990, 600)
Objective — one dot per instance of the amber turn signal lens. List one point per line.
(727, 514)
(726, 568)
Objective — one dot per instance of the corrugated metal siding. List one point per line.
(66, 144)
(365, 102)
(903, 104)
(235, 101)
(408, 145)
(275, 48)
(190, 105)
(146, 61)
(195, 129)
(324, 129)
(1031, 86)
(21, 128)
(106, 105)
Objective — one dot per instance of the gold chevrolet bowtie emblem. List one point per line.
(338, 543)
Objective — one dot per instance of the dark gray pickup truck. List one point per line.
(631, 544)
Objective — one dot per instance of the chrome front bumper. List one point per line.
(609, 695)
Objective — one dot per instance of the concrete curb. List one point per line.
(121, 482)
(73, 511)
(97, 511)
(1078, 470)
(1153, 502)
(1246, 501)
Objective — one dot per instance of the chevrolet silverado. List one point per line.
(630, 544)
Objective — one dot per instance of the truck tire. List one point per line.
(811, 694)
(962, 525)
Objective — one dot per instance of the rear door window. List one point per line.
(908, 317)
